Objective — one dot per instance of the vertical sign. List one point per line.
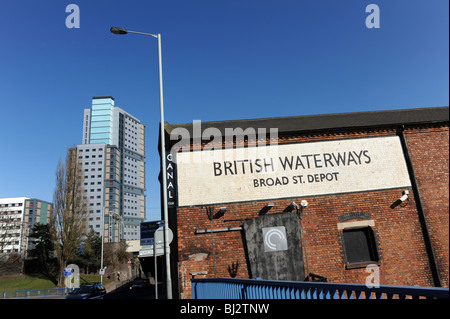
(170, 169)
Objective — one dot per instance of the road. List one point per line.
(145, 292)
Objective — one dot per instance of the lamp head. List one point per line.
(117, 30)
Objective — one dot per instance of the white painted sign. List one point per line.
(290, 170)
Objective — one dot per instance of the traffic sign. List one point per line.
(159, 236)
(147, 232)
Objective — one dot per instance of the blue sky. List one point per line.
(222, 60)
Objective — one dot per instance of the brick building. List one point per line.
(282, 198)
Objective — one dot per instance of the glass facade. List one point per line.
(101, 121)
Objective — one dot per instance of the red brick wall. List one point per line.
(404, 259)
(429, 151)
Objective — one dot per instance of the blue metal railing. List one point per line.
(35, 293)
(227, 288)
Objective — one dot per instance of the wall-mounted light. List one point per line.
(403, 201)
(404, 196)
(223, 210)
(266, 209)
(298, 209)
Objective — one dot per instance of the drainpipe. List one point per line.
(423, 222)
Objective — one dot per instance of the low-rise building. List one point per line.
(328, 195)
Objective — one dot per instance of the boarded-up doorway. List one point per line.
(274, 247)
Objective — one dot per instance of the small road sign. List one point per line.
(159, 236)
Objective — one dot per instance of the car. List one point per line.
(138, 284)
(95, 291)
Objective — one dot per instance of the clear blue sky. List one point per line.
(222, 60)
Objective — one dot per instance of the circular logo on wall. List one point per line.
(274, 238)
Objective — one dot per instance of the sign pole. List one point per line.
(153, 233)
(102, 271)
(156, 269)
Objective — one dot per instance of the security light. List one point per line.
(404, 196)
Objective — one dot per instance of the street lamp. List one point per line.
(117, 30)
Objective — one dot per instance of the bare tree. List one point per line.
(68, 223)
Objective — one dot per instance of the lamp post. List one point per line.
(102, 271)
(117, 30)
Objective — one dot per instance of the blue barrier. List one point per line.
(34, 293)
(227, 288)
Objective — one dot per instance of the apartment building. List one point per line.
(18, 215)
(113, 159)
